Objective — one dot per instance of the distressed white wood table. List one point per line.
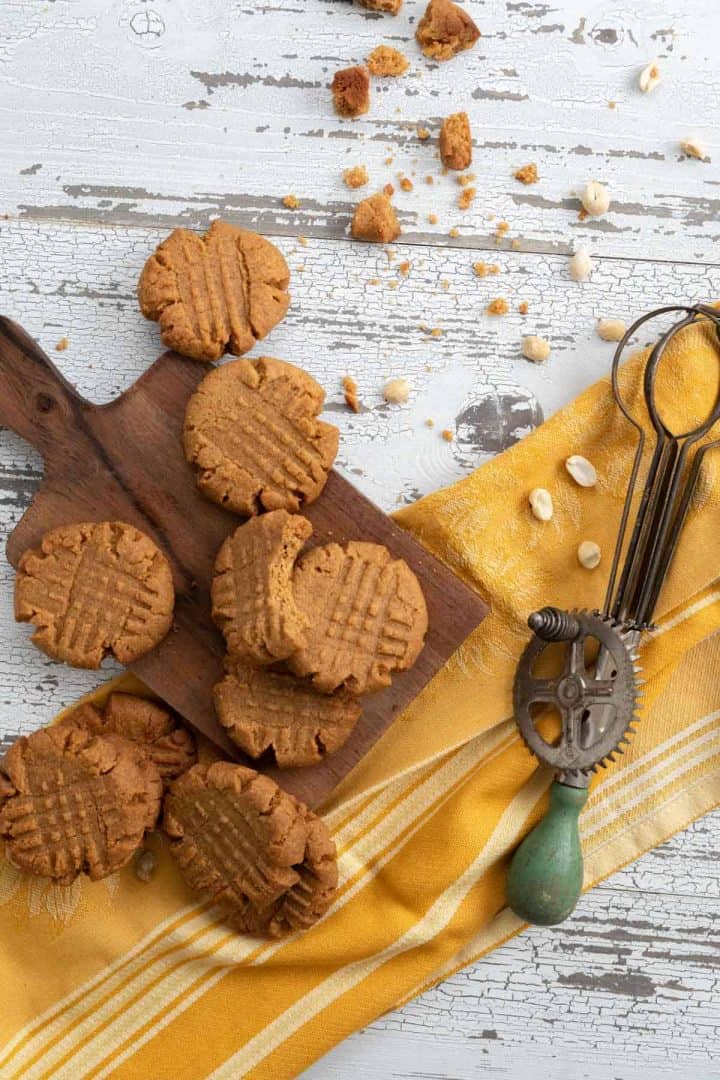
(120, 120)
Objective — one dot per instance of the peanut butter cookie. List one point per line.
(251, 431)
(262, 710)
(252, 597)
(154, 729)
(366, 613)
(445, 30)
(72, 802)
(94, 590)
(263, 857)
(216, 293)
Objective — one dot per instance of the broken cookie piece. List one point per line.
(252, 595)
(445, 30)
(456, 141)
(351, 91)
(384, 60)
(375, 220)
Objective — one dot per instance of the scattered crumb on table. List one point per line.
(498, 306)
(350, 388)
(528, 174)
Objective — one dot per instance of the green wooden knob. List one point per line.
(546, 872)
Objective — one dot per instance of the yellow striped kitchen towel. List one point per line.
(129, 980)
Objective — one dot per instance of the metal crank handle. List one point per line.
(546, 872)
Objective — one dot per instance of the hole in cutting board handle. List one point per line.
(35, 400)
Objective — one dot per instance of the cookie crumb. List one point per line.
(454, 233)
(498, 306)
(432, 218)
(303, 241)
(501, 229)
(430, 423)
(396, 391)
(423, 134)
(456, 141)
(406, 184)
(429, 179)
(375, 220)
(387, 61)
(482, 269)
(445, 284)
(390, 6)
(350, 388)
(528, 174)
(356, 177)
(291, 201)
(351, 91)
(523, 307)
(467, 197)
(516, 244)
(404, 268)
(445, 30)
(62, 345)
(389, 190)
(447, 434)
(612, 104)
(436, 332)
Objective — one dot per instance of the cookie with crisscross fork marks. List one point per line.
(367, 616)
(72, 802)
(257, 852)
(252, 597)
(92, 590)
(262, 709)
(151, 726)
(214, 293)
(251, 431)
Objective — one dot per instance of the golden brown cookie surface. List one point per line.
(251, 430)
(367, 616)
(456, 141)
(375, 220)
(263, 710)
(351, 91)
(252, 595)
(257, 852)
(391, 6)
(216, 293)
(72, 802)
(93, 590)
(445, 29)
(151, 726)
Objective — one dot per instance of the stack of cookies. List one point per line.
(307, 631)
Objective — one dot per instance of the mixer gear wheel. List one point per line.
(597, 704)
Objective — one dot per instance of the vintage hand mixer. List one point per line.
(597, 702)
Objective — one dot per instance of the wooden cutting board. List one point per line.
(124, 461)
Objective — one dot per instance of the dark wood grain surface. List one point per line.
(124, 461)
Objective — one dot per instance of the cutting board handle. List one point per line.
(35, 400)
